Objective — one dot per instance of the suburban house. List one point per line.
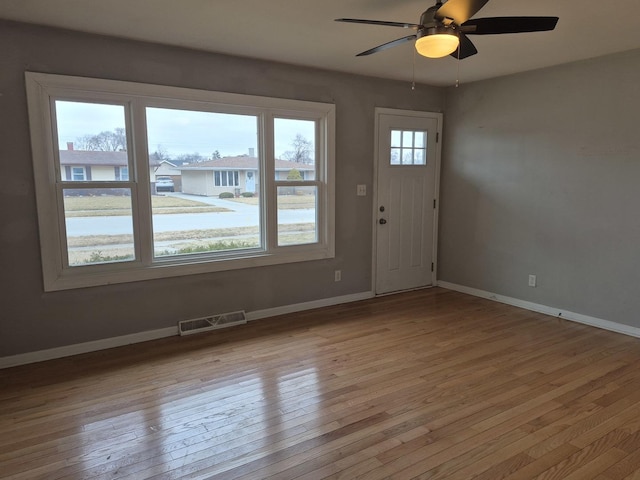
(235, 175)
(91, 165)
(517, 214)
(85, 165)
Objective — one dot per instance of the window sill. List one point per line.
(93, 276)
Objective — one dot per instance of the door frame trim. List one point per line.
(438, 116)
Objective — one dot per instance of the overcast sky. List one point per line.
(178, 131)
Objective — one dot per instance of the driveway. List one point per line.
(218, 202)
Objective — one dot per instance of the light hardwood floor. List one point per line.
(428, 384)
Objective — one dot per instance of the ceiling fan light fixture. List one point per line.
(437, 42)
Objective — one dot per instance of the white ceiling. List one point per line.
(303, 32)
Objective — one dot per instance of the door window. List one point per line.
(408, 147)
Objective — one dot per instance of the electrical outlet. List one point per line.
(337, 275)
(361, 190)
(532, 280)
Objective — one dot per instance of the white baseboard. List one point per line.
(554, 312)
(299, 307)
(67, 351)
(78, 348)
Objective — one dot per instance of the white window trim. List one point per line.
(42, 88)
(73, 174)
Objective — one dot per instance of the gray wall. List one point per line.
(32, 320)
(541, 175)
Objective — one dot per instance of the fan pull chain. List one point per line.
(458, 66)
(413, 82)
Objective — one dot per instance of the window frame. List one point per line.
(82, 172)
(315, 183)
(44, 89)
(402, 148)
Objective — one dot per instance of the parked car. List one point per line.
(164, 184)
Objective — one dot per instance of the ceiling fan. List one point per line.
(443, 28)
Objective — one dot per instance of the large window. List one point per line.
(251, 180)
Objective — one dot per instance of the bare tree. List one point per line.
(191, 158)
(115, 141)
(160, 154)
(302, 150)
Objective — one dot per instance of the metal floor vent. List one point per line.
(198, 325)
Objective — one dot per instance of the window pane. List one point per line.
(396, 138)
(407, 156)
(92, 141)
(99, 225)
(185, 224)
(200, 143)
(413, 151)
(295, 149)
(217, 208)
(297, 215)
(395, 156)
(419, 157)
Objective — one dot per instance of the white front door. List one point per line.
(250, 183)
(408, 166)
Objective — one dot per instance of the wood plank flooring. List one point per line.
(429, 384)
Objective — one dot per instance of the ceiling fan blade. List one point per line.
(378, 22)
(460, 10)
(498, 25)
(466, 48)
(384, 46)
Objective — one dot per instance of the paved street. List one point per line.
(242, 215)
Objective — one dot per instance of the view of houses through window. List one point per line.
(98, 212)
(205, 193)
(294, 175)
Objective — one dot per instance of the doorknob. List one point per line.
(382, 221)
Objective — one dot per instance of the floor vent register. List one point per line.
(204, 324)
